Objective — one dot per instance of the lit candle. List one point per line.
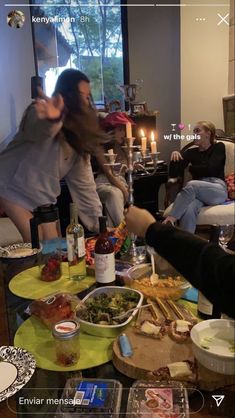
(128, 130)
(153, 144)
(143, 141)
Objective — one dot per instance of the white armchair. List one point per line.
(220, 214)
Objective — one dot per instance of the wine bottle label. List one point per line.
(104, 268)
(70, 246)
(204, 305)
(75, 247)
(81, 247)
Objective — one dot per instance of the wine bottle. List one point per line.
(75, 246)
(206, 309)
(104, 257)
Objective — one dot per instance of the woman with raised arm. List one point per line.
(54, 141)
(206, 164)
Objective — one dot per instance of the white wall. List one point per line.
(183, 62)
(16, 69)
(204, 63)
(231, 76)
(154, 56)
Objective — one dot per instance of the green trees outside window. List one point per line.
(85, 35)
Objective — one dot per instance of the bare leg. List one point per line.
(49, 230)
(19, 216)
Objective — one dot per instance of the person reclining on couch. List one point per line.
(206, 164)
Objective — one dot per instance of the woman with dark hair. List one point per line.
(55, 137)
(206, 164)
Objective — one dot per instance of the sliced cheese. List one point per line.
(150, 328)
(182, 326)
(180, 368)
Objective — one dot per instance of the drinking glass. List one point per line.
(226, 234)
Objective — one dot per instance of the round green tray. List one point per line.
(27, 284)
(35, 337)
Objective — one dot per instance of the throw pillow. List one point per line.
(230, 182)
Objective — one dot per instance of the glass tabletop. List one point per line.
(30, 401)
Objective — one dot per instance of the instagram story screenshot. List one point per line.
(117, 209)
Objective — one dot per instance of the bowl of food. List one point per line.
(213, 345)
(165, 286)
(102, 305)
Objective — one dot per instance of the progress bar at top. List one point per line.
(118, 5)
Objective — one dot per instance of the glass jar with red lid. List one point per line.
(67, 345)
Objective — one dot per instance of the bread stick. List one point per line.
(164, 310)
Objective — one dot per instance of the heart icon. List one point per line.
(181, 126)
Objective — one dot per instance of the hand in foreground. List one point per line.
(49, 108)
(138, 220)
(176, 156)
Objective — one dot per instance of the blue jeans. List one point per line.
(209, 191)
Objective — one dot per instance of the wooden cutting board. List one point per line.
(149, 354)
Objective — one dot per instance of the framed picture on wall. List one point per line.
(138, 108)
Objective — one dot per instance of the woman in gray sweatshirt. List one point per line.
(54, 141)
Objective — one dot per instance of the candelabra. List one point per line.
(137, 160)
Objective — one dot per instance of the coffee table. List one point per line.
(12, 314)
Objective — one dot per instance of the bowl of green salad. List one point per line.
(102, 305)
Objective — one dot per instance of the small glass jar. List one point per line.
(49, 260)
(67, 345)
(50, 267)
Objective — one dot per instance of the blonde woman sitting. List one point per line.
(206, 164)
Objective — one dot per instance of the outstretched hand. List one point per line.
(49, 108)
(138, 220)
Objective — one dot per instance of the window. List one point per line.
(81, 35)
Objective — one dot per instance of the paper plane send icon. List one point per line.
(218, 399)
